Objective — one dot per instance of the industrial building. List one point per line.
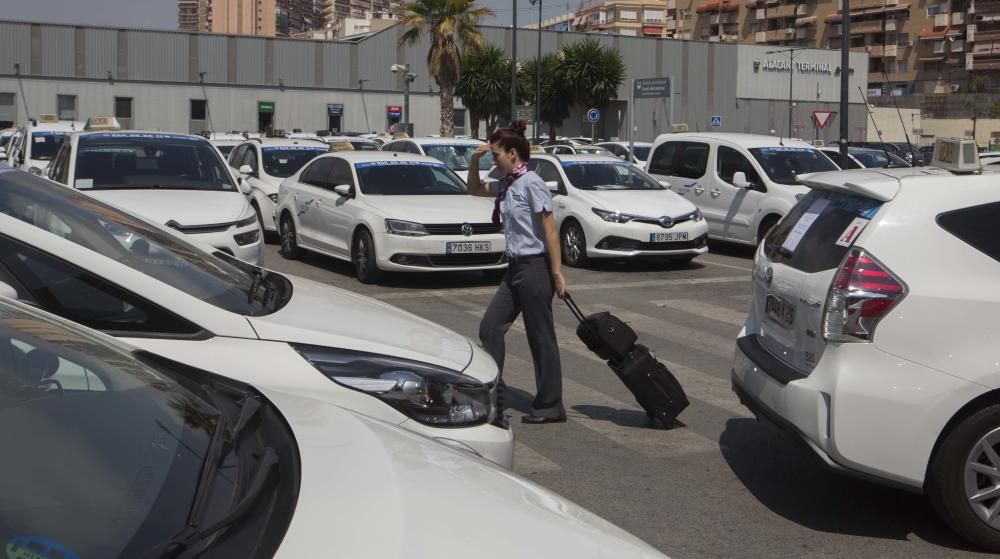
(189, 82)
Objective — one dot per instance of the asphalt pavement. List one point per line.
(718, 484)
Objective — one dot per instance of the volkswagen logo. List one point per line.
(467, 229)
(666, 222)
(768, 276)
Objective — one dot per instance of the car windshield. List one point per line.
(608, 175)
(215, 278)
(642, 153)
(458, 157)
(782, 164)
(44, 145)
(133, 161)
(402, 178)
(879, 159)
(5, 140)
(285, 161)
(111, 450)
(364, 146)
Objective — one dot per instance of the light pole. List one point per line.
(538, 68)
(408, 78)
(791, 72)
(513, 64)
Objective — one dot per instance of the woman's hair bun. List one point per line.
(518, 127)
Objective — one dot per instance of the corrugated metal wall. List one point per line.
(157, 56)
(295, 63)
(58, 46)
(15, 47)
(101, 52)
(379, 54)
(250, 61)
(213, 58)
(337, 66)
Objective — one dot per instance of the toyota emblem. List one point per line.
(467, 229)
(768, 276)
(666, 222)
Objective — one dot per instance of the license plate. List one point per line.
(779, 310)
(470, 247)
(667, 237)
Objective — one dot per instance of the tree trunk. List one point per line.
(552, 132)
(473, 123)
(447, 110)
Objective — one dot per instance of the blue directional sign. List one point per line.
(716, 121)
(593, 115)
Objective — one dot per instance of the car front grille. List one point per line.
(628, 245)
(456, 228)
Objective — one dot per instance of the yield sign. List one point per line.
(822, 118)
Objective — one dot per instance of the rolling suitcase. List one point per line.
(655, 388)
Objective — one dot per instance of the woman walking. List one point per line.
(524, 205)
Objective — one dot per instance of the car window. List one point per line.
(783, 164)
(395, 178)
(285, 161)
(975, 226)
(680, 159)
(59, 167)
(810, 237)
(412, 148)
(46, 143)
(642, 152)
(608, 175)
(546, 170)
(340, 173)
(237, 155)
(364, 146)
(250, 158)
(730, 161)
(318, 172)
(155, 161)
(458, 157)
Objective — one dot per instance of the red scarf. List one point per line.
(504, 185)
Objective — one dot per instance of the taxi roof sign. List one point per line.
(102, 123)
(957, 155)
(535, 148)
(400, 135)
(341, 145)
(48, 118)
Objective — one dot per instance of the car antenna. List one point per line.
(877, 131)
(913, 156)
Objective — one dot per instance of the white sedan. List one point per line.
(386, 211)
(607, 208)
(456, 153)
(189, 453)
(92, 263)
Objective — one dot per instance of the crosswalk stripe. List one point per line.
(676, 333)
(706, 310)
(527, 461)
(703, 260)
(748, 297)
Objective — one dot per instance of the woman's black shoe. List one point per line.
(538, 419)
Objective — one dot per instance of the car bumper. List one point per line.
(429, 253)
(863, 411)
(252, 252)
(632, 240)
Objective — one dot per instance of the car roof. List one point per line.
(139, 133)
(625, 144)
(878, 183)
(329, 139)
(578, 157)
(366, 156)
(443, 141)
(745, 140)
(307, 142)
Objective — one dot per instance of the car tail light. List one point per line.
(862, 292)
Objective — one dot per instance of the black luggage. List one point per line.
(655, 388)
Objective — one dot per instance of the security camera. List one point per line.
(397, 68)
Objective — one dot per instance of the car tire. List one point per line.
(952, 481)
(363, 256)
(574, 245)
(289, 242)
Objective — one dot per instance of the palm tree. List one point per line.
(448, 23)
(558, 93)
(484, 86)
(596, 71)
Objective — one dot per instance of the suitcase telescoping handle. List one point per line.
(573, 308)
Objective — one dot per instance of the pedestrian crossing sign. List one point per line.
(716, 121)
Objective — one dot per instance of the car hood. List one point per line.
(185, 207)
(327, 316)
(370, 489)
(651, 203)
(434, 208)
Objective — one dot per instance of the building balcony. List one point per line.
(671, 4)
(723, 18)
(985, 36)
(775, 35)
(805, 33)
(883, 51)
(784, 10)
(986, 7)
(858, 27)
(958, 18)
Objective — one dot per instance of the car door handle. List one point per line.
(715, 193)
(319, 203)
(698, 190)
(296, 196)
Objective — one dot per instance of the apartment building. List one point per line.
(243, 17)
(337, 10)
(192, 15)
(296, 17)
(913, 48)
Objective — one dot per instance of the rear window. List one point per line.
(816, 234)
(976, 226)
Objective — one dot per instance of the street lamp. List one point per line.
(408, 78)
(538, 67)
(791, 72)
(513, 64)
(361, 86)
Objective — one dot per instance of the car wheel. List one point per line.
(363, 255)
(574, 245)
(963, 482)
(289, 243)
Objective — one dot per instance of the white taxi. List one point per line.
(92, 263)
(456, 153)
(387, 211)
(178, 180)
(264, 163)
(39, 142)
(608, 208)
(873, 335)
(357, 143)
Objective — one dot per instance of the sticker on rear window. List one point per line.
(84, 183)
(39, 139)
(853, 230)
(803, 224)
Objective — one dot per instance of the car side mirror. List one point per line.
(37, 171)
(664, 184)
(243, 186)
(246, 170)
(622, 157)
(8, 291)
(344, 190)
(740, 180)
(553, 186)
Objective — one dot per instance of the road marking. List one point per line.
(747, 298)
(703, 260)
(707, 310)
(490, 290)
(527, 461)
(676, 333)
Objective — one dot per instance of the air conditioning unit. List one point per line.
(891, 2)
(683, 127)
(955, 87)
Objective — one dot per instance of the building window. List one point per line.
(66, 107)
(123, 111)
(459, 117)
(902, 66)
(198, 109)
(8, 110)
(903, 40)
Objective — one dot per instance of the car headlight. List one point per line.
(427, 393)
(612, 217)
(408, 228)
(696, 215)
(273, 197)
(247, 221)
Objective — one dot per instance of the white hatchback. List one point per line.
(873, 334)
(607, 208)
(87, 261)
(386, 211)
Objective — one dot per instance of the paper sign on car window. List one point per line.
(84, 183)
(803, 224)
(853, 230)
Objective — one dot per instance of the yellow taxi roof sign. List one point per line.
(537, 149)
(48, 118)
(400, 135)
(341, 145)
(102, 123)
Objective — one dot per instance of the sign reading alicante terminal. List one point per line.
(779, 65)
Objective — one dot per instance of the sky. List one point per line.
(162, 14)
